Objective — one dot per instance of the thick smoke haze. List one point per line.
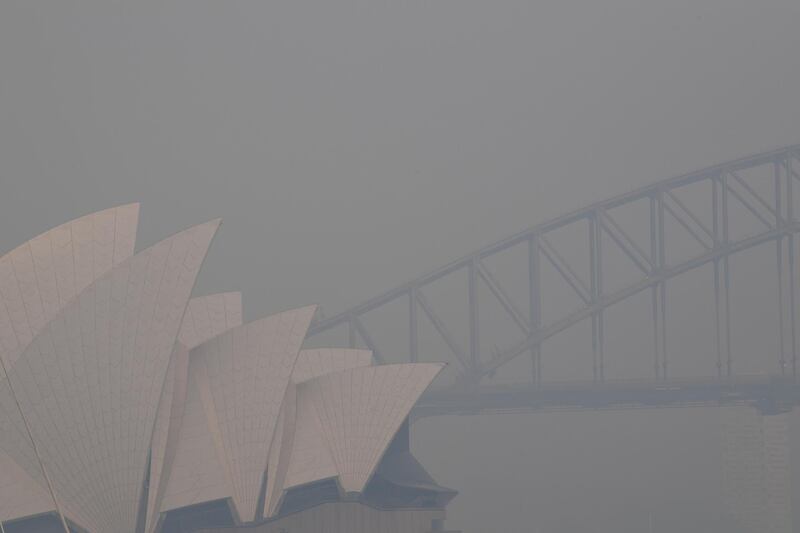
(351, 146)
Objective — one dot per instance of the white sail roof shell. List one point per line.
(20, 495)
(37, 280)
(90, 381)
(346, 418)
(86, 331)
(197, 473)
(308, 458)
(205, 317)
(281, 450)
(40, 277)
(237, 383)
(360, 410)
(299, 455)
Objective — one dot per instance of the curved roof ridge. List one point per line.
(210, 315)
(129, 205)
(315, 362)
(41, 276)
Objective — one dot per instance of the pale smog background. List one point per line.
(350, 146)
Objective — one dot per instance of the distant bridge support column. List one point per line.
(756, 469)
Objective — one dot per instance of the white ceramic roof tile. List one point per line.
(317, 362)
(90, 381)
(205, 317)
(361, 409)
(37, 280)
(249, 369)
(15, 440)
(208, 316)
(168, 418)
(310, 458)
(196, 475)
(20, 495)
(39, 277)
(281, 450)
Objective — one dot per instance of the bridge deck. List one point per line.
(769, 394)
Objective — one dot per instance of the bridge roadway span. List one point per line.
(770, 395)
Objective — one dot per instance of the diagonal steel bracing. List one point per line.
(733, 192)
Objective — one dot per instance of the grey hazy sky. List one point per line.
(350, 146)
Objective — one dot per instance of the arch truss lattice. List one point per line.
(704, 208)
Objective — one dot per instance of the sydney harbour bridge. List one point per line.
(653, 235)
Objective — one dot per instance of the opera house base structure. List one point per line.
(401, 498)
(127, 406)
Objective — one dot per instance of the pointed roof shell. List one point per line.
(242, 376)
(37, 280)
(205, 317)
(89, 383)
(40, 277)
(361, 409)
(309, 462)
(310, 458)
(197, 473)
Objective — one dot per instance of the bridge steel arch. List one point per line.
(710, 226)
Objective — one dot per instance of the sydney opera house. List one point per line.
(127, 406)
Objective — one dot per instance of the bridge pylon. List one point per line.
(756, 473)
